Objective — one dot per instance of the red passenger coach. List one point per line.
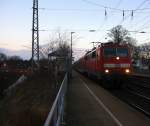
(108, 61)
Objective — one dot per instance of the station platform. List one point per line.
(87, 104)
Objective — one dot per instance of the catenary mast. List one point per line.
(35, 34)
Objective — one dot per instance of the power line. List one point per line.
(144, 10)
(135, 15)
(117, 9)
(80, 30)
(56, 9)
(100, 5)
(118, 4)
(144, 25)
(141, 22)
(137, 8)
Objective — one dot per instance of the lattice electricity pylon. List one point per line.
(35, 34)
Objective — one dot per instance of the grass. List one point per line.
(29, 103)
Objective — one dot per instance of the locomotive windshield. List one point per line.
(111, 52)
(122, 52)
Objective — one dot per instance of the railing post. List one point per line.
(55, 115)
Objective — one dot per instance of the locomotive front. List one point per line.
(116, 60)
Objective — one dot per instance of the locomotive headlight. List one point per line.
(106, 71)
(127, 70)
(117, 58)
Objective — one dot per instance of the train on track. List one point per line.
(108, 62)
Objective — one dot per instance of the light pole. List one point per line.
(71, 56)
(71, 51)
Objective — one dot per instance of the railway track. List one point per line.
(140, 79)
(134, 99)
(139, 84)
(136, 93)
(139, 101)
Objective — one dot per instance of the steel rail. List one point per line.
(140, 108)
(143, 81)
(136, 105)
(141, 85)
(141, 75)
(138, 94)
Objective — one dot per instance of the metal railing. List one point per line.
(55, 115)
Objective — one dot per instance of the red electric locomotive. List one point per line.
(108, 61)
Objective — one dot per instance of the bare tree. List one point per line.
(59, 43)
(3, 57)
(58, 50)
(120, 35)
(15, 58)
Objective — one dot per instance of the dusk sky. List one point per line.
(71, 15)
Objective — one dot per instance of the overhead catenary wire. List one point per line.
(106, 11)
(75, 9)
(117, 5)
(141, 17)
(138, 30)
(144, 25)
(117, 9)
(133, 11)
(143, 21)
(105, 20)
(97, 10)
(144, 10)
(138, 8)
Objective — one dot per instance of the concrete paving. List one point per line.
(90, 105)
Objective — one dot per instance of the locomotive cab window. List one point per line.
(122, 52)
(111, 52)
